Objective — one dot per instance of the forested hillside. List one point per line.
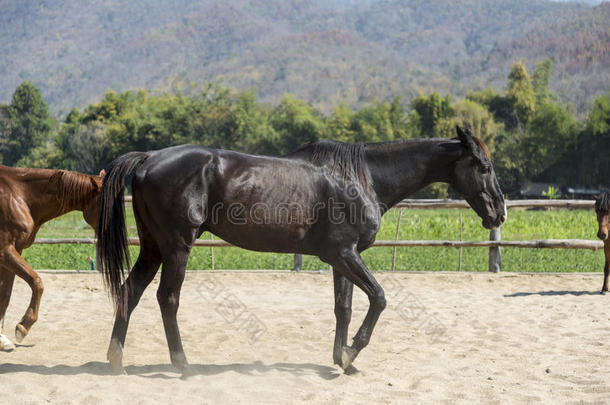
(530, 135)
(324, 52)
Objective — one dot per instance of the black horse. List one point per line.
(326, 199)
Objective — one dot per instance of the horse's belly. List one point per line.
(262, 237)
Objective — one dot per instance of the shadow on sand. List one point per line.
(551, 293)
(167, 371)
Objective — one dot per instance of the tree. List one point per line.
(521, 95)
(30, 123)
(550, 132)
(467, 112)
(430, 110)
(497, 104)
(594, 145)
(5, 127)
(598, 120)
(85, 147)
(542, 78)
(339, 124)
(253, 133)
(296, 123)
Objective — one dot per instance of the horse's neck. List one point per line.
(400, 169)
(41, 201)
(44, 199)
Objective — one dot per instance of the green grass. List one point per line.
(415, 224)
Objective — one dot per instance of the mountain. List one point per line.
(579, 47)
(590, 2)
(321, 51)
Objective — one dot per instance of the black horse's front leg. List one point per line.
(343, 313)
(350, 265)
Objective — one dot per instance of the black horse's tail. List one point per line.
(112, 247)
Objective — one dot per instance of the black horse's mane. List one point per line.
(603, 202)
(342, 159)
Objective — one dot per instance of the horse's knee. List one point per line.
(378, 301)
(343, 312)
(168, 300)
(39, 285)
(36, 285)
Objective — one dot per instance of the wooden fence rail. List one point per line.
(494, 244)
(537, 244)
(432, 204)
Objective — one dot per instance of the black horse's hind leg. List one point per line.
(168, 296)
(350, 265)
(141, 275)
(343, 312)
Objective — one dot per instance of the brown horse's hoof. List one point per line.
(5, 344)
(20, 333)
(347, 357)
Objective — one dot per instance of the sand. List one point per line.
(267, 337)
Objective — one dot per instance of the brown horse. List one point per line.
(28, 199)
(602, 209)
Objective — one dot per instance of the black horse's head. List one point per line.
(475, 180)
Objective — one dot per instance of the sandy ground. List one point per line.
(267, 338)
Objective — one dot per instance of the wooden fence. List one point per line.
(494, 243)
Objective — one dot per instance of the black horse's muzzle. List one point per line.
(492, 222)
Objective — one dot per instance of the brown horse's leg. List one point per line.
(12, 260)
(141, 275)
(343, 313)
(606, 274)
(168, 296)
(606, 266)
(6, 288)
(350, 265)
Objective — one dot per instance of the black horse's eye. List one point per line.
(485, 169)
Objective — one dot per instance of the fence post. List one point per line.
(212, 261)
(495, 257)
(395, 239)
(298, 262)
(460, 254)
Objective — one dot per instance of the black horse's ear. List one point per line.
(596, 197)
(466, 137)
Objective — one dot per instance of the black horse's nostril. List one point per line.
(503, 217)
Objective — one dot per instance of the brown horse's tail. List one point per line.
(112, 247)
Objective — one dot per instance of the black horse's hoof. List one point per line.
(348, 355)
(117, 369)
(187, 372)
(603, 292)
(351, 370)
